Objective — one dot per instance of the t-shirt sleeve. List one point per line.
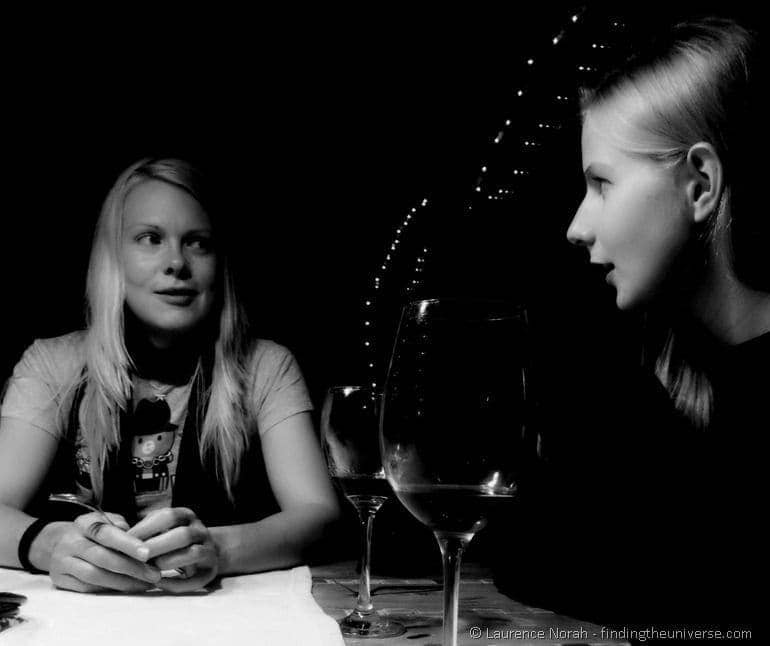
(278, 389)
(35, 390)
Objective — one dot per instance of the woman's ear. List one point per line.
(705, 181)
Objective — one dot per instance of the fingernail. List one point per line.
(143, 553)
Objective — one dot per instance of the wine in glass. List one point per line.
(349, 431)
(453, 432)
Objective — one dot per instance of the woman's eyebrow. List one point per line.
(143, 225)
(156, 227)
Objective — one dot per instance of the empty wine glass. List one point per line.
(453, 428)
(349, 432)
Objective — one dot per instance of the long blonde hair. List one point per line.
(693, 84)
(109, 367)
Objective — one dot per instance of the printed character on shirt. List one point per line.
(152, 447)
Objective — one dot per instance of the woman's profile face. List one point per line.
(633, 219)
(169, 262)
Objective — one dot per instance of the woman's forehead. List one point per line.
(611, 127)
(599, 142)
(155, 200)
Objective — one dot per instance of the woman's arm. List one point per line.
(26, 455)
(309, 505)
(85, 555)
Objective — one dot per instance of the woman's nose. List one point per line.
(175, 261)
(579, 232)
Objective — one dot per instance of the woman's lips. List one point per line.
(180, 297)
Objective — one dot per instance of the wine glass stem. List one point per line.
(366, 517)
(452, 548)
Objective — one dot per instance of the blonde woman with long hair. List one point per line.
(195, 439)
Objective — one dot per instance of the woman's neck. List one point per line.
(172, 363)
(728, 309)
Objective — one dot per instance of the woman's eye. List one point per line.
(148, 238)
(600, 182)
(200, 244)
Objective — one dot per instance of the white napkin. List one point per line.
(272, 608)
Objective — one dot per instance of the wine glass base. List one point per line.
(374, 625)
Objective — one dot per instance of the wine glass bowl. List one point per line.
(350, 439)
(453, 429)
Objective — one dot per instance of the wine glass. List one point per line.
(349, 432)
(453, 432)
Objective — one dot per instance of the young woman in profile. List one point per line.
(672, 209)
(660, 494)
(196, 440)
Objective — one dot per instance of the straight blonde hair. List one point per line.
(109, 367)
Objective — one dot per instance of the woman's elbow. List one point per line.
(327, 512)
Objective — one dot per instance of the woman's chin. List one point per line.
(627, 301)
(622, 303)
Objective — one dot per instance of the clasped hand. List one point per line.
(93, 555)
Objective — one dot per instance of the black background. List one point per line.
(324, 127)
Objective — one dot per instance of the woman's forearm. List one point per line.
(279, 541)
(13, 522)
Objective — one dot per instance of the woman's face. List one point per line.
(634, 218)
(169, 261)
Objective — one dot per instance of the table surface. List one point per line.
(486, 615)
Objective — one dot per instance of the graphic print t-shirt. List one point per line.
(154, 447)
(41, 390)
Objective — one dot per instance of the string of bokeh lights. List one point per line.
(484, 190)
(377, 283)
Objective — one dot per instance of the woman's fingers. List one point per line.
(67, 567)
(118, 520)
(97, 577)
(162, 521)
(111, 561)
(69, 582)
(199, 579)
(176, 539)
(199, 555)
(98, 529)
(101, 556)
(100, 553)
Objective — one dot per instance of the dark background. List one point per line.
(324, 129)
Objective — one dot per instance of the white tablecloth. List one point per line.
(272, 608)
